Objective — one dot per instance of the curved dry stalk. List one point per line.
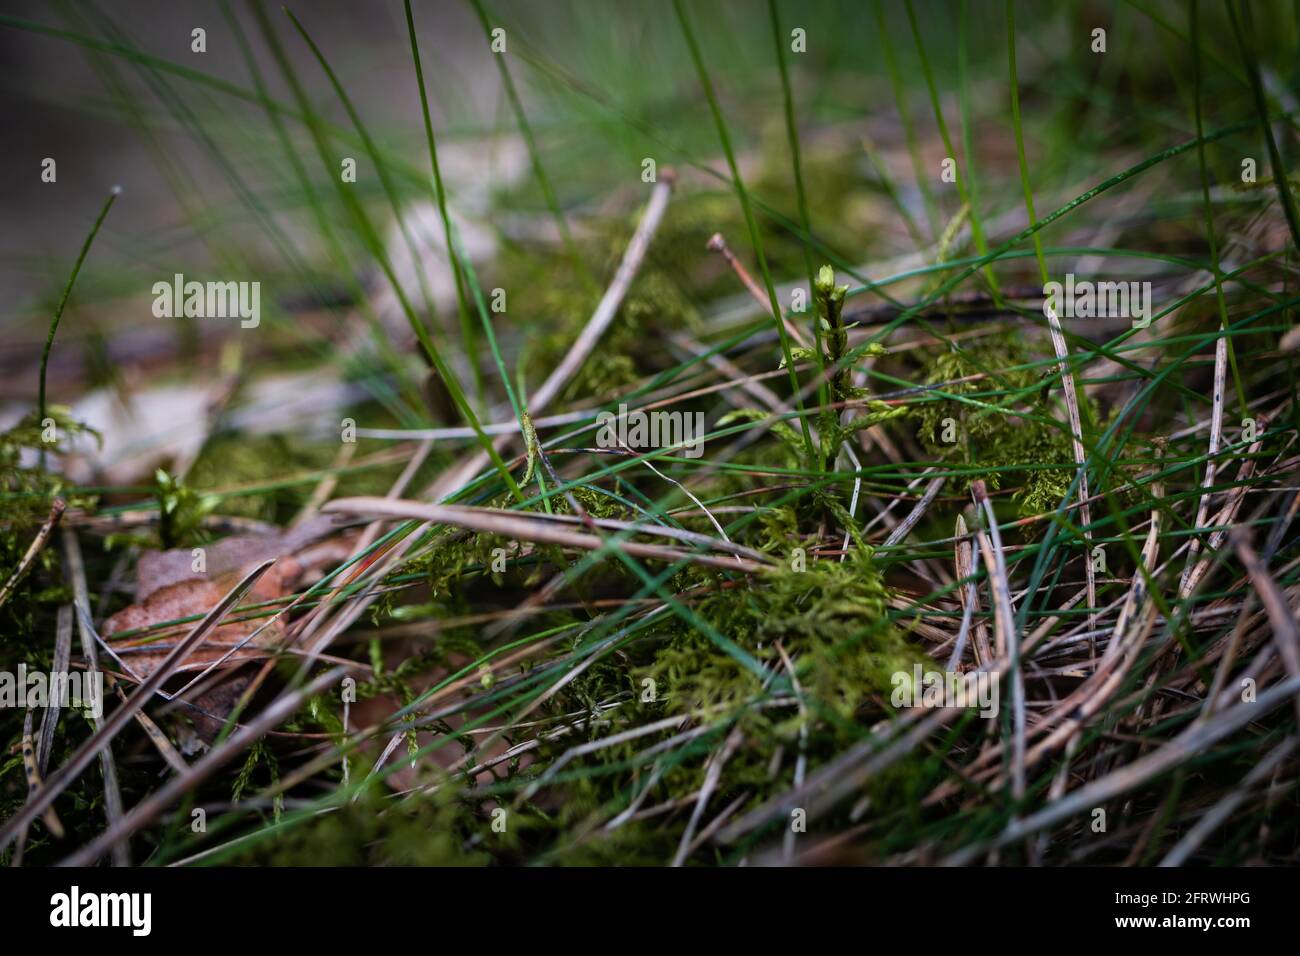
(1228, 513)
(1216, 436)
(541, 529)
(1080, 459)
(1282, 617)
(1008, 640)
(964, 563)
(62, 657)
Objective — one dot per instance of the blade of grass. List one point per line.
(440, 195)
(801, 196)
(905, 117)
(743, 194)
(63, 299)
(377, 250)
(1280, 177)
(534, 154)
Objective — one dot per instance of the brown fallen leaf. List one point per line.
(141, 655)
(181, 583)
(156, 570)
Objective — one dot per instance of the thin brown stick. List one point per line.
(718, 244)
(42, 536)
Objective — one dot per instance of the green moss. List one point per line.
(559, 304)
(181, 511)
(27, 491)
(259, 754)
(235, 461)
(596, 504)
(423, 831)
(990, 440)
(832, 618)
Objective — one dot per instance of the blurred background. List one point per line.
(116, 95)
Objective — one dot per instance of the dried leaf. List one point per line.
(187, 582)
